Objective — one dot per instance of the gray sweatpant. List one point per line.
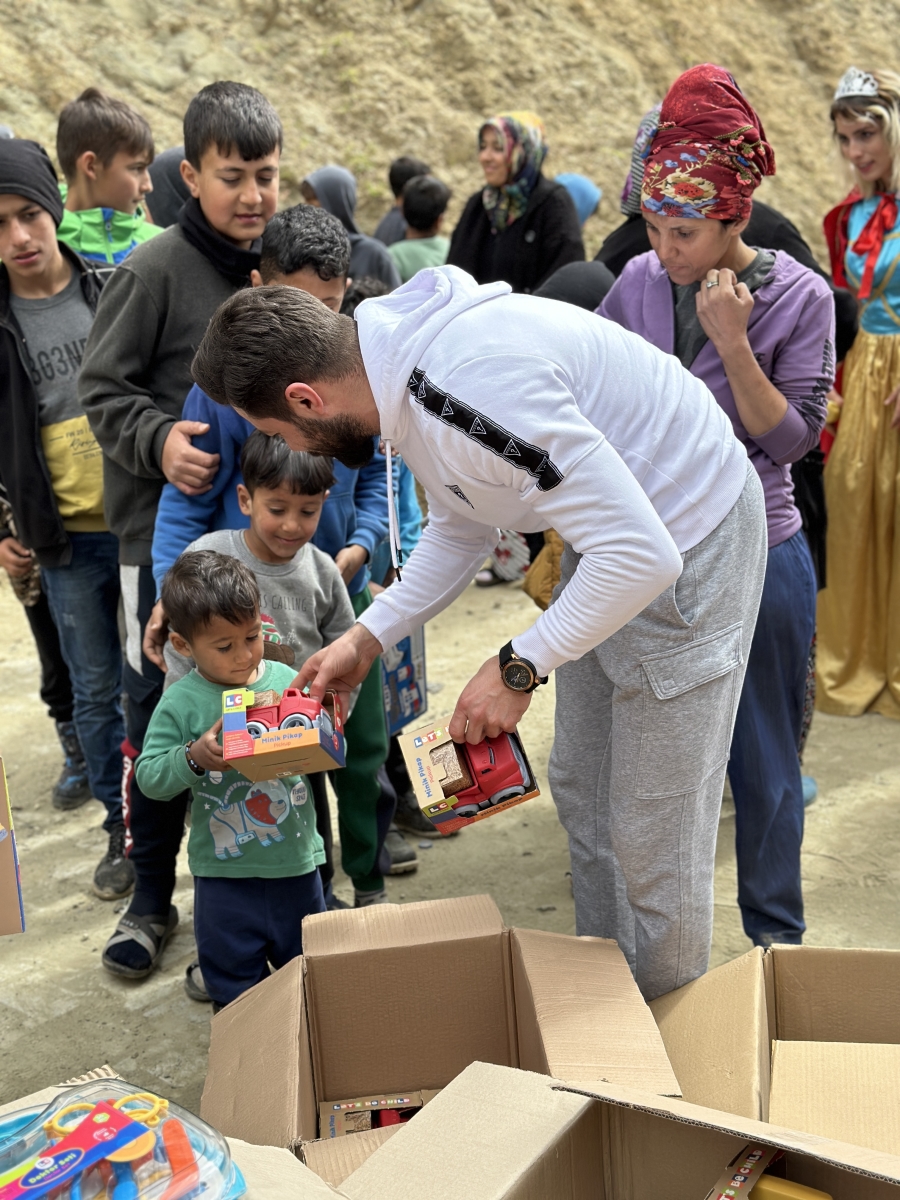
(643, 729)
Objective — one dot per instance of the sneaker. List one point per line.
(410, 818)
(114, 877)
(403, 857)
(364, 899)
(72, 788)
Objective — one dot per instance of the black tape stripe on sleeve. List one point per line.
(485, 432)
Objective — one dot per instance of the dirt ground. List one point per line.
(61, 1013)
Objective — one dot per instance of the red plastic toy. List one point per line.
(295, 711)
(498, 771)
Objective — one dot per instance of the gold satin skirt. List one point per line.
(858, 667)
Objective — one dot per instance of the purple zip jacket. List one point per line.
(791, 332)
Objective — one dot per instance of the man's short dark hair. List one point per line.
(424, 200)
(362, 289)
(95, 121)
(403, 169)
(262, 339)
(305, 236)
(202, 585)
(269, 462)
(231, 116)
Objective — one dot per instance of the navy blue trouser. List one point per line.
(764, 768)
(243, 925)
(84, 601)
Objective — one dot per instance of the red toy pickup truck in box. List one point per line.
(496, 772)
(295, 711)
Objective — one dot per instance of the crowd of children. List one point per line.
(130, 500)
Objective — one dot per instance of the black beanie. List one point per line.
(26, 170)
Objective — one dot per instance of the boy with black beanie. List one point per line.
(134, 381)
(50, 469)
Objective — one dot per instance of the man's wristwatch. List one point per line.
(518, 674)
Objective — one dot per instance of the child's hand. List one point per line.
(16, 559)
(206, 751)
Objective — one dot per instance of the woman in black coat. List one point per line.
(520, 227)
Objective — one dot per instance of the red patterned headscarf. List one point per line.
(710, 151)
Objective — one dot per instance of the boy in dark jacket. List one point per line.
(307, 247)
(135, 377)
(50, 467)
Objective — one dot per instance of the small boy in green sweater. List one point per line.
(253, 848)
(425, 201)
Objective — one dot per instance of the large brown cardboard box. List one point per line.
(400, 997)
(501, 1134)
(720, 1031)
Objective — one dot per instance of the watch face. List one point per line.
(517, 676)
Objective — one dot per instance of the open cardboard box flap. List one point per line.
(333, 1159)
(719, 1030)
(443, 984)
(500, 1134)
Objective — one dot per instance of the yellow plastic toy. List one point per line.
(771, 1188)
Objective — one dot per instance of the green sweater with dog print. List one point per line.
(238, 828)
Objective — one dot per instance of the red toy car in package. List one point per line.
(269, 734)
(457, 784)
(294, 711)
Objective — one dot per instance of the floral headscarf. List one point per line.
(710, 151)
(522, 134)
(630, 201)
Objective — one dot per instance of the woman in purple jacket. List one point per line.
(758, 329)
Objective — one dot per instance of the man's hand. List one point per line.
(191, 470)
(15, 559)
(487, 707)
(340, 666)
(894, 399)
(156, 634)
(206, 751)
(724, 309)
(349, 560)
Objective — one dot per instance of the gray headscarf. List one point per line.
(630, 202)
(335, 190)
(169, 189)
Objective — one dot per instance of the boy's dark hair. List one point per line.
(95, 121)
(201, 585)
(269, 462)
(424, 200)
(362, 289)
(305, 236)
(403, 169)
(231, 116)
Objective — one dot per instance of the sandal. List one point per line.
(151, 933)
(194, 985)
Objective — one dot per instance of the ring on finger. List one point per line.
(712, 283)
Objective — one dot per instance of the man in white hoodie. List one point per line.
(529, 414)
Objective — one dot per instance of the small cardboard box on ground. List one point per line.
(403, 997)
(267, 735)
(802, 1036)
(457, 784)
(12, 912)
(501, 1134)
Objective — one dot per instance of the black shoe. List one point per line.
(410, 818)
(403, 857)
(114, 877)
(335, 903)
(72, 788)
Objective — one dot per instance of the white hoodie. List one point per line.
(532, 414)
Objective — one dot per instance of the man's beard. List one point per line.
(343, 437)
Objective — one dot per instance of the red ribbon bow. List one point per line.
(871, 239)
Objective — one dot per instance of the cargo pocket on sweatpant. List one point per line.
(690, 697)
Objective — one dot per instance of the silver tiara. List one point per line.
(855, 82)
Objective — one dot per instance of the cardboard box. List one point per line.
(457, 784)
(334, 1159)
(719, 1031)
(280, 752)
(501, 1134)
(403, 680)
(398, 994)
(12, 911)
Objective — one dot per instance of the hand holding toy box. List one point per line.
(267, 735)
(456, 783)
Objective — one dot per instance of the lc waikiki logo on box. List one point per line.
(458, 784)
(267, 735)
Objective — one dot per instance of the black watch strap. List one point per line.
(508, 655)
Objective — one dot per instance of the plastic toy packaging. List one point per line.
(107, 1141)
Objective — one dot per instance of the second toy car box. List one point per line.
(267, 735)
(457, 784)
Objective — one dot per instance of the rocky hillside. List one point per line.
(359, 81)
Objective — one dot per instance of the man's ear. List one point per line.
(304, 401)
(87, 164)
(189, 175)
(245, 500)
(256, 280)
(179, 644)
(347, 283)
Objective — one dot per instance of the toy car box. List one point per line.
(457, 784)
(267, 736)
(338, 1117)
(403, 680)
(12, 914)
